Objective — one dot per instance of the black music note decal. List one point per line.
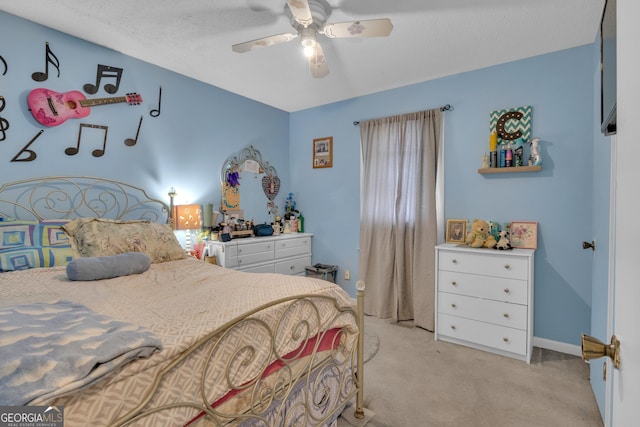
(6, 67)
(131, 142)
(156, 113)
(32, 154)
(107, 72)
(49, 58)
(72, 151)
(4, 123)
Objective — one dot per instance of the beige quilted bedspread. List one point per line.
(180, 301)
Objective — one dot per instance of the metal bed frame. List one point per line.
(69, 197)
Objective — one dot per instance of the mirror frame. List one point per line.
(236, 162)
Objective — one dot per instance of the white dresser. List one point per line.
(284, 253)
(484, 299)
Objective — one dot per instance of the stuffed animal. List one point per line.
(503, 241)
(480, 235)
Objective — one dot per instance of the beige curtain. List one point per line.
(399, 215)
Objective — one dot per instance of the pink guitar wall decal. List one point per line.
(52, 108)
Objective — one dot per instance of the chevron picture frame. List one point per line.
(511, 123)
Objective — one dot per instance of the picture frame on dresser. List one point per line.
(456, 231)
(524, 234)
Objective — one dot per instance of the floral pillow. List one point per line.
(91, 237)
(33, 244)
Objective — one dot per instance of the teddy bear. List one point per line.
(479, 236)
(503, 241)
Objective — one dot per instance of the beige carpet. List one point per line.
(414, 381)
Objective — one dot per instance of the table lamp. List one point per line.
(187, 217)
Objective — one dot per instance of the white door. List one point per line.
(625, 382)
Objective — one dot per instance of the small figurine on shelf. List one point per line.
(534, 157)
(485, 161)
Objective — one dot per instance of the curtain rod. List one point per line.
(447, 107)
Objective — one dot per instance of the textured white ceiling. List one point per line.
(430, 39)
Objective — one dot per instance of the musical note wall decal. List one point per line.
(49, 58)
(31, 154)
(156, 112)
(72, 151)
(107, 72)
(6, 67)
(4, 123)
(131, 142)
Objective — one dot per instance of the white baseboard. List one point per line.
(558, 346)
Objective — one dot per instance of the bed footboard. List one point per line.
(311, 370)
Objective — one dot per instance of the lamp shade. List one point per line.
(187, 217)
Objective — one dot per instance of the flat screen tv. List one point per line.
(608, 68)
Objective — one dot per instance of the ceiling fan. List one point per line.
(308, 18)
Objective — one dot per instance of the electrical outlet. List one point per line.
(347, 275)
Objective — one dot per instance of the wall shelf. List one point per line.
(484, 171)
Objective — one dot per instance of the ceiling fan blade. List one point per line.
(301, 12)
(318, 63)
(367, 28)
(265, 41)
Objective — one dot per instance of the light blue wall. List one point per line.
(559, 87)
(185, 147)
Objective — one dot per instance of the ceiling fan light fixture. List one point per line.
(309, 46)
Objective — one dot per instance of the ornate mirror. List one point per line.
(244, 178)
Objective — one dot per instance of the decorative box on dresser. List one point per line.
(285, 253)
(484, 299)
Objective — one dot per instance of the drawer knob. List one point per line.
(454, 283)
(292, 267)
(506, 315)
(507, 266)
(453, 327)
(505, 339)
(453, 305)
(455, 261)
(506, 290)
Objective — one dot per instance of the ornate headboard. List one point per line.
(69, 197)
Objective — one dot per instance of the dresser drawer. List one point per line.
(263, 268)
(254, 258)
(511, 267)
(497, 288)
(495, 312)
(255, 247)
(255, 252)
(483, 334)
(293, 265)
(293, 246)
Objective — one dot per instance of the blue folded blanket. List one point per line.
(107, 267)
(50, 349)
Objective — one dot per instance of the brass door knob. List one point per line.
(593, 348)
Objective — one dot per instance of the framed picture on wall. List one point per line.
(524, 234)
(456, 230)
(323, 152)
